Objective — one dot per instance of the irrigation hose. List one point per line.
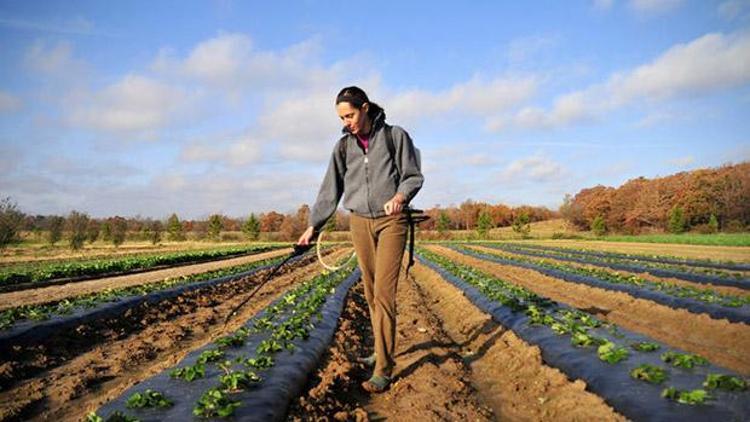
(320, 256)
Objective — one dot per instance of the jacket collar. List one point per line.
(377, 122)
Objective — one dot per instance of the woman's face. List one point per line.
(355, 119)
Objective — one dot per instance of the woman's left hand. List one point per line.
(395, 205)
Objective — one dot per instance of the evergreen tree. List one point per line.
(677, 223)
(521, 224)
(174, 228)
(11, 220)
(598, 226)
(713, 224)
(484, 224)
(443, 223)
(214, 227)
(251, 228)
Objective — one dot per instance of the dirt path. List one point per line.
(720, 341)
(716, 253)
(451, 357)
(80, 371)
(56, 293)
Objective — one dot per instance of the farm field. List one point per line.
(486, 331)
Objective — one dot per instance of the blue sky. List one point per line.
(148, 108)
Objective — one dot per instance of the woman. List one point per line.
(374, 166)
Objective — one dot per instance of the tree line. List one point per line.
(78, 228)
(705, 201)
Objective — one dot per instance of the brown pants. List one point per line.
(379, 244)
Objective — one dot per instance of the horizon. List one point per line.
(224, 107)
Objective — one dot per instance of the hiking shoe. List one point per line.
(377, 384)
(368, 361)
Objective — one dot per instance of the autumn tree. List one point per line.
(78, 224)
(11, 220)
(119, 230)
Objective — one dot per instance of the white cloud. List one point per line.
(654, 7)
(536, 168)
(732, 9)
(9, 103)
(521, 49)
(708, 64)
(238, 152)
(54, 59)
(229, 62)
(134, 104)
(682, 161)
(603, 4)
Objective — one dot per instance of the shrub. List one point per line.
(521, 224)
(251, 228)
(78, 224)
(677, 223)
(56, 224)
(11, 220)
(598, 226)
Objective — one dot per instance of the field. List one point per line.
(492, 330)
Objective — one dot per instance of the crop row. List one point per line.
(35, 273)
(660, 259)
(704, 295)
(602, 354)
(237, 374)
(699, 275)
(733, 308)
(41, 312)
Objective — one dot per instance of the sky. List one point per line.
(145, 108)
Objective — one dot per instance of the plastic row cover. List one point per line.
(634, 399)
(269, 399)
(33, 332)
(741, 314)
(659, 272)
(658, 260)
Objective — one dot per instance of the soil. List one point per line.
(57, 293)
(453, 363)
(715, 253)
(77, 371)
(722, 342)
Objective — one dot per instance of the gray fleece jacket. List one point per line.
(368, 181)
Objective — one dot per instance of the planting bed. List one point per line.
(517, 338)
(72, 372)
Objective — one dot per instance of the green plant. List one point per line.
(215, 403)
(148, 398)
(686, 397)
(649, 373)
(189, 373)
(645, 346)
(210, 356)
(598, 226)
(724, 382)
(677, 223)
(522, 224)
(236, 381)
(260, 362)
(683, 360)
(116, 416)
(611, 353)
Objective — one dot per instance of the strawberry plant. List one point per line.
(189, 373)
(611, 353)
(114, 417)
(686, 397)
(210, 356)
(148, 398)
(724, 382)
(645, 346)
(683, 360)
(215, 403)
(649, 373)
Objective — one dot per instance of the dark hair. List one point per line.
(357, 98)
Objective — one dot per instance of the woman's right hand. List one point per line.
(306, 236)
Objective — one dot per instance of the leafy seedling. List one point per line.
(189, 373)
(683, 360)
(611, 353)
(215, 403)
(686, 397)
(148, 398)
(649, 373)
(725, 382)
(645, 346)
